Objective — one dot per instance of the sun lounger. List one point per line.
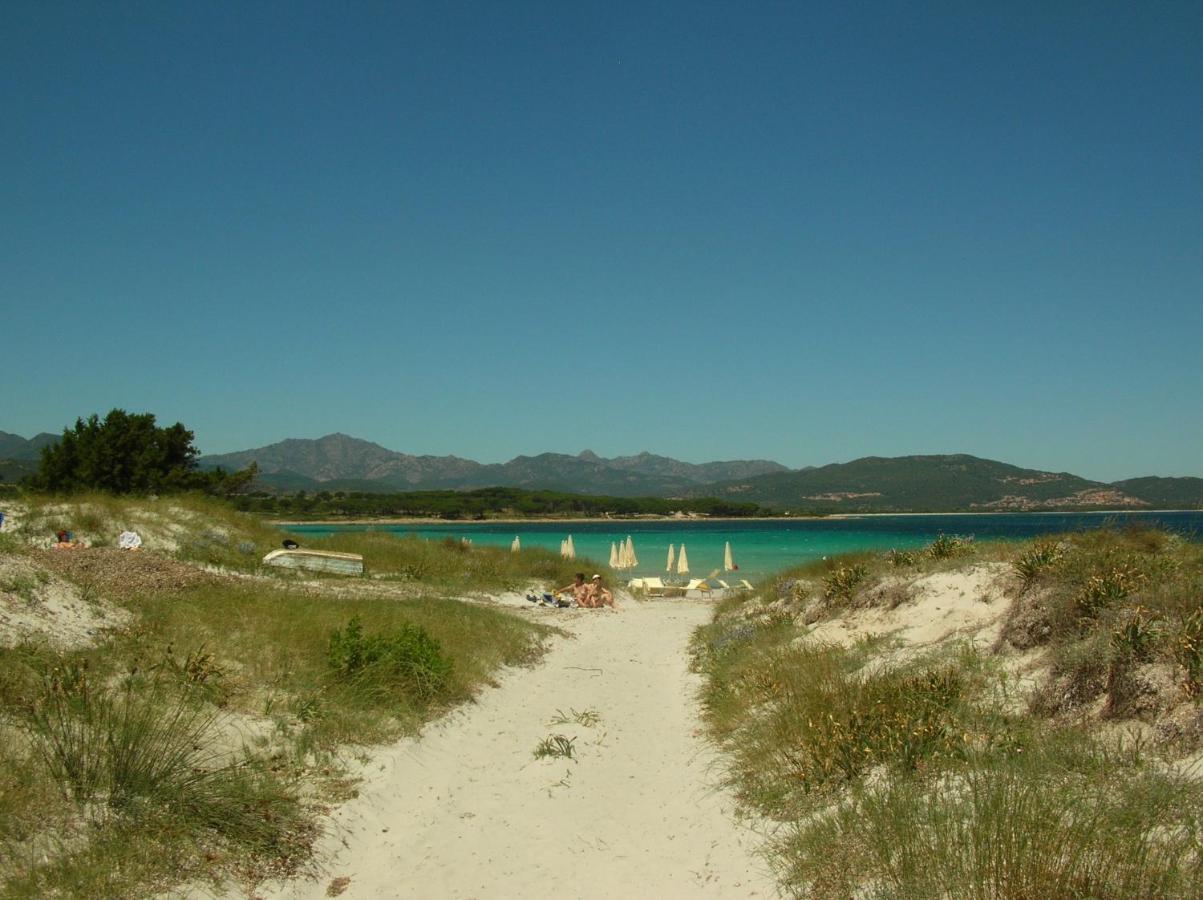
(701, 585)
(746, 585)
(654, 587)
(723, 584)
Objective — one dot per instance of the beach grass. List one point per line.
(198, 741)
(924, 774)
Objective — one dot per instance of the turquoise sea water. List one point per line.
(763, 547)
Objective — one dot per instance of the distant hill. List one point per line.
(338, 461)
(13, 446)
(943, 483)
(19, 457)
(1165, 493)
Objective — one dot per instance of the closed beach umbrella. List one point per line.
(516, 546)
(571, 548)
(672, 558)
(613, 555)
(728, 562)
(682, 562)
(564, 548)
(631, 558)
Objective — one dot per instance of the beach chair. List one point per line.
(723, 584)
(701, 585)
(746, 585)
(654, 587)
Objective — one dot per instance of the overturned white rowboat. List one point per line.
(317, 561)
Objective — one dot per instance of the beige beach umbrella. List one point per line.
(682, 562)
(516, 545)
(614, 561)
(631, 557)
(571, 548)
(728, 561)
(672, 558)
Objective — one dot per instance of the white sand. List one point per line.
(967, 603)
(466, 811)
(36, 604)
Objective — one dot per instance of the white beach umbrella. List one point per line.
(571, 548)
(728, 562)
(564, 548)
(516, 546)
(631, 558)
(672, 558)
(682, 562)
(613, 555)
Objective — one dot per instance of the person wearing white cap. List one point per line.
(599, 595)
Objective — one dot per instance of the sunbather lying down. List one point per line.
(65, 540)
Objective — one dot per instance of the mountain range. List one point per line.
(871, 484)
(339, 462)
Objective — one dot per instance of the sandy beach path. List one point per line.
(466, 811)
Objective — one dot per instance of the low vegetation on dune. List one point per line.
(202, 715)
(993, 721)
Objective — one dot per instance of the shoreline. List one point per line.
(478, 523)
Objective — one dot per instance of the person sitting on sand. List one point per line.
(580, 590)
(599, 595)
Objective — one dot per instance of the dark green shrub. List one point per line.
(408, 658)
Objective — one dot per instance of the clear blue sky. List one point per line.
(710, 230)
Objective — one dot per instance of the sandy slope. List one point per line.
(468, 812)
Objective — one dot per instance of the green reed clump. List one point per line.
(901, 559)
(1187, 649)
(841, 583)
(1109, 586)
(947, 546)
(1036, 560)
(556, 746)
(406, 657)
(142, 750)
